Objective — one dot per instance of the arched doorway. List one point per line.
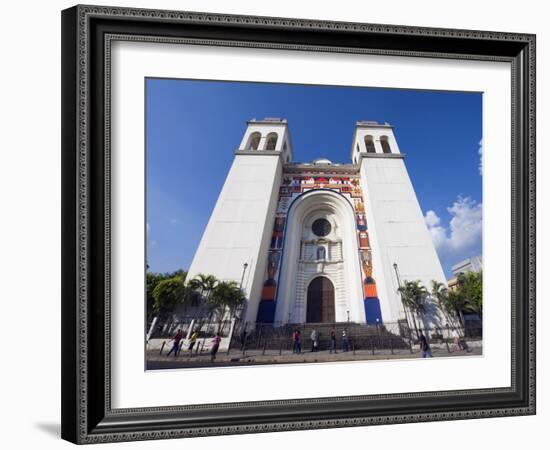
(300, 262)
(320, 301)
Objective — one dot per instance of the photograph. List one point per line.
(293, 223)
(304, 224)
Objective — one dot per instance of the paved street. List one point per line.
(255, 357)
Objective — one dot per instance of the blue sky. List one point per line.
(193, 128)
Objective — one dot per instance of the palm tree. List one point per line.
(413, 295)
(203, 285)
(227, 295)
(441, 294)
(470, 285)
(456, 302)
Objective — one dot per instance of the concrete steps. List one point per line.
(360, 337)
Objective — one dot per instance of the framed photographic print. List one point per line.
(282, 224)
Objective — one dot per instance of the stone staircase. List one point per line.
(360, 336)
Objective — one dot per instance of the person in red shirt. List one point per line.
(215, 346)
(177, 338)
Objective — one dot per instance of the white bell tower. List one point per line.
(240, 226)
(402, 248)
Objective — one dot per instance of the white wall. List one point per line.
(240, 227)
(30, 225)
(398, 233)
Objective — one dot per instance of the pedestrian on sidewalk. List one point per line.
(192, 341)
(176, 346)
(345, 341)
(215, 346)
(332, 341)
(314, 341)
(425, 347)
(463, 345)
(456, 340)
(298, 341)
(295, 341)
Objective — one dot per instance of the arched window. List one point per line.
(271, 141)
(385, 144)
(254, 141)
(321, 252)
(369, 143)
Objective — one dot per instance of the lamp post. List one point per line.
(245, 265)
(397, 274)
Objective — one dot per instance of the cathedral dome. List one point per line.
(322, 161)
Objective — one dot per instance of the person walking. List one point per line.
(298, 341)
(192, 341)
(176, 346)
(215, 346)
(314, 340)
(457, 340)
(332, 341)
(295, 341)
(425, 347)
(345, 341)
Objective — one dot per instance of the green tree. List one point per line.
(152, 279)
(203, 285)
(413, 296)
(441, 295)
(168, 293)
(456, 302)
(470, 285)
(226, 296)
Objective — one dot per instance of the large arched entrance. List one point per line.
(320, 250)
(320, 301)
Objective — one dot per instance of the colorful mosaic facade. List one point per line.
(293, 186)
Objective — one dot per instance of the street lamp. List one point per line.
(245, 265)
(397, 274)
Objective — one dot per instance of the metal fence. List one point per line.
(348, 336)
(203, 326)
(273, 338)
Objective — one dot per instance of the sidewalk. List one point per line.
(257, 356)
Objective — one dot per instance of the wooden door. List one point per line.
(320, 301)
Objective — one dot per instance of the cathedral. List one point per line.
(318, 242)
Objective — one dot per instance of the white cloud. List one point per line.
(480, 153)
(461, 238)
(432, 219)
(173, 221)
